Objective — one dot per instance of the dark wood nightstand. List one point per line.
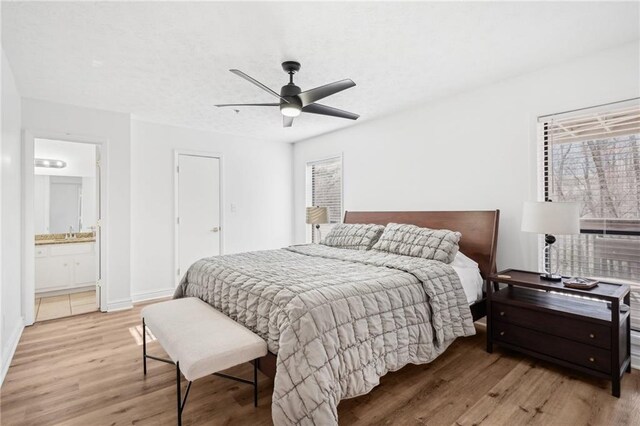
(545, 320)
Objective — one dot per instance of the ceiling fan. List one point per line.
(293, 101)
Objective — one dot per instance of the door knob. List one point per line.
(215, 229)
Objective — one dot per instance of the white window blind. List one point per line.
(324, 189)
(593, 157)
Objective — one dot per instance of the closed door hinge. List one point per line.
(178, 273)
(178, 220)
(177, 169)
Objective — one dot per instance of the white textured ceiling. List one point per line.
(168, 62)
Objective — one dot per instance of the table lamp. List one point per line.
(550, 219)
(317, 216)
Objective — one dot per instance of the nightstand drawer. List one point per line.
(554, 346)
(581, 331)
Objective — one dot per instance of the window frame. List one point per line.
(308, 189)
(544, 161)
(545, 187)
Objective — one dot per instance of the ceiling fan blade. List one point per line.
(287, 121)
(327, 110)
(257, 83)
(232, 105)
(310, 96)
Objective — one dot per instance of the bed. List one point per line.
(336, 320)
(479, 229)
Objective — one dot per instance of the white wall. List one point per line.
(80, 157)
(10, 219)
(256, 179)
(114, 128)
(139, 261)
(477, 150)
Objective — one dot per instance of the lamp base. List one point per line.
(551, 277)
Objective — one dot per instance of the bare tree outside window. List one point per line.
(594, 158)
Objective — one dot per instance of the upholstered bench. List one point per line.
(200, 341)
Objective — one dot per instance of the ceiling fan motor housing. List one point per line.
(290, 92)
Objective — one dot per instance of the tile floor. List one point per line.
(52, 307)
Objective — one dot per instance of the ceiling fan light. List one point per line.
(290, 110)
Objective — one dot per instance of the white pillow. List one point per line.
(462, 261)
(469, 275)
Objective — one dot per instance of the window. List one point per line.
(324, 189)
(593, 156)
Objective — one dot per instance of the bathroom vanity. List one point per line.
(62, 264)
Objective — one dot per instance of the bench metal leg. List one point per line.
(178, 390)
(144, 346)
(249, 382)
(255, 383)
(181, 401)
(144, 350)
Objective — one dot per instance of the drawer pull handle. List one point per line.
(592, 359)
(501, 313)
(502, 333)
(593, 336)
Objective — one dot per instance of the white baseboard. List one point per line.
(10, 350)
(65, 291)
(119, 305)
(150, 295)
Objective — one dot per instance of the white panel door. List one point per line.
(198, 209)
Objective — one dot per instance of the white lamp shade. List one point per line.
(317, 215)
(551, 218)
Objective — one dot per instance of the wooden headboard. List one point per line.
(479, 229)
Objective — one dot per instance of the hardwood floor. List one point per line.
(87, 370)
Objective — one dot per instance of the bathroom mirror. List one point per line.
(65, 187)
(64, 203)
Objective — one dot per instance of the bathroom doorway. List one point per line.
(66, 222)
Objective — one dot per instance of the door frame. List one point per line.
(28, 230)
(176, 192)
